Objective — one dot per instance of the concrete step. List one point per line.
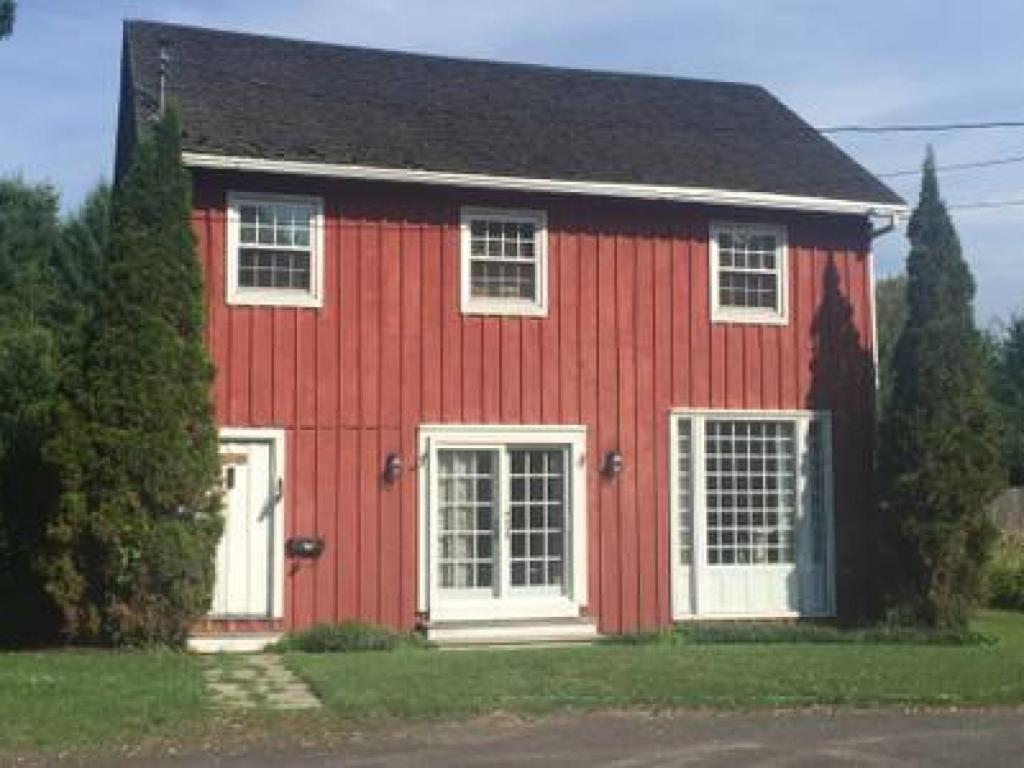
(462, 634)
(231, 642)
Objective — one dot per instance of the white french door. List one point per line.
(504, 524)
(751, 514)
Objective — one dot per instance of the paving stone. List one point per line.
(259, 680)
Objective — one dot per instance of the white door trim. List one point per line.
(278, 465)
(686, 598)
(433, 436)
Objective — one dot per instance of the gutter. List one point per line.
(593, 188)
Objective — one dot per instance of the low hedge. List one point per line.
(347, 636)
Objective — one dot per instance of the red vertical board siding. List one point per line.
(530, 372)
(569, 363)
(326, 513)
(626, 339)
(285, 371)
(646, 514)
(588, 401)
(451, 319)
(511, 369)
(348, 525)
(625, 267)
(412, 373)
(390, 321)
(608, 432)
(389, 544)
(304, 492)
(664, 364)
(547, 332)
(430, 298)
(491, 379)
(368, 369)
(368, 511)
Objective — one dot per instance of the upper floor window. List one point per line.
(275, 250)
(504, 262)
(748, 273)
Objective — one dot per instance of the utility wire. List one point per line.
(986, 204)
(922, 127)
(957, 166)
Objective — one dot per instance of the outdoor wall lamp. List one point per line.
(392, 467)
(613, 463)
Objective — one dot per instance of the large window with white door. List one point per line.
(751, 514)
(503, 522)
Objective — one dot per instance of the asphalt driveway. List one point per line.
(633, 740)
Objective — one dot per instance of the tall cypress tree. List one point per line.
(139, 519)
(940, 462)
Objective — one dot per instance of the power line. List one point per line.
(986, 204)
(957, 166)
(922, 127)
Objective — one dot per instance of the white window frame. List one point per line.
(529, 603)
(475, 305)
(274, 297)
(686, 598)
(750, 315)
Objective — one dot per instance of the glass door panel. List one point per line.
(466, 519)
(536, 520)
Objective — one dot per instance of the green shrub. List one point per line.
(1004, 585)
(347, 636)
(712, 633)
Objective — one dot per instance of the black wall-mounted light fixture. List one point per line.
(613, 463)
(392, 467)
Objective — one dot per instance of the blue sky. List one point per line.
(834, 62)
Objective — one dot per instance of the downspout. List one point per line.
(873, 234)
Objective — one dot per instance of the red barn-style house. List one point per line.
(513, 352)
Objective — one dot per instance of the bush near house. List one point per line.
(132, 546)
(347, 636)
(1004, 585)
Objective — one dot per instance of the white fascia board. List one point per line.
(558, 186)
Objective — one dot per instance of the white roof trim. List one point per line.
(599, 188)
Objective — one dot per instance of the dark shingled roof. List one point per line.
(264, 97)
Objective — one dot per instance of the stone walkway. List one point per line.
(256, 681)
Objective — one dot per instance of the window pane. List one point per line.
(503, 260)
(261, 268)
(538, 519)
(748, 522)
(465, 536)
(748, 270)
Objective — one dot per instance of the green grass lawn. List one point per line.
(412, 683)
(82, 700)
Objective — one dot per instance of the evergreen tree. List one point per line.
(29, 374)
(891, 313)
(6, 18)
(940, 462)
(139, 520)
(1010, 393)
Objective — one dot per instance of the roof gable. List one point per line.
(261, 97)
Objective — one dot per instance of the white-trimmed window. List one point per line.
(748, 272)
(275, 247)
(504, 262)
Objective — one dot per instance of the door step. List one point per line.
(462, 634)
(231, 642)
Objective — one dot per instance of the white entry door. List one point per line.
(246, 563)
(505, 525)
(751, 525)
